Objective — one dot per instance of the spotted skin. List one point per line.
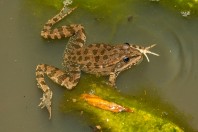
(98, 58)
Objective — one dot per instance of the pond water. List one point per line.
(174, 73)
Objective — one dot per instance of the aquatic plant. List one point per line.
(184, 7)
(133, 116)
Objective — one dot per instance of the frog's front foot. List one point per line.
(111, 84)
(46, 101)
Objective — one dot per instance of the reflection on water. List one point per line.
(174, 73)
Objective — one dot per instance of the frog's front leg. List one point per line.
(68, 80)
(112, 78)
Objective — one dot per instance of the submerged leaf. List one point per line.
(104, 104)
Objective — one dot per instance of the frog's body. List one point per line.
(100, 59)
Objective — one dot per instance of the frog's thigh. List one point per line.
(68, 80)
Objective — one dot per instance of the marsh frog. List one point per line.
(97, 58)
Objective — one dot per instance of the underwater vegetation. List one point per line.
(101, 7)
(184, 7)
(110, 110)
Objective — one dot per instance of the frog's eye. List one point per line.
(127, 44)
(126, 59)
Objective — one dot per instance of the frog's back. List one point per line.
(93, 58)
(88, 53)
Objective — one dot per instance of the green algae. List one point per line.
(181, 6)
(106, 9)
(111, 12)
(144, 118)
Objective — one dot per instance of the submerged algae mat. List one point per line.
(100, 7)
(140, 120)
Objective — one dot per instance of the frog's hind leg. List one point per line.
(68, 80)
(75, 31)
(64, 31)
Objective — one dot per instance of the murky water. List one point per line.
(174, 73)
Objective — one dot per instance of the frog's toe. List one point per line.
(113, 85)
(46, 101)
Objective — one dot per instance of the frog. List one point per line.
(100, 59)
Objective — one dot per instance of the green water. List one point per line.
(173, 74)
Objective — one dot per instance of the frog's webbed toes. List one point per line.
(46, 101)
(67, 2)
(146, 51)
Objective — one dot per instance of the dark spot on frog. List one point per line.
(116, 52)
(48, 36)
(78, 53)
(80, 58)
(61, 78)
(52, 73)
(87, 58)
(69, 57)
(56, 36)
(75, 72)
(69, 29)
(40, 76)
(61, 34)
(71, 79)
(39, 69)
(72, 53)
(102, 52)
(79, 40)
(109, 48)
(90, 46)
(95, 52)
(105, 46)
(42, 83)
(76, 46)
(98, 45)
(97, 58)
(85, 51)
(45, 30)
(55, 19)
(105, 57)
(48, 24)
(74, 58)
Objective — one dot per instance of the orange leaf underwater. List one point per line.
(103, 104)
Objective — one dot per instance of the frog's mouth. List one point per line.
(146, 51)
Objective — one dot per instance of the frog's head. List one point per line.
(133, 55)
